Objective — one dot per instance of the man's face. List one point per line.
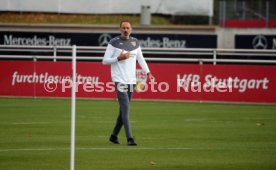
(125, 29)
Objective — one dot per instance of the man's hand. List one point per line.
(124, 55)
(151, 77)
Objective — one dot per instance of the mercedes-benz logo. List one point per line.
(104, 39)
(259, 42)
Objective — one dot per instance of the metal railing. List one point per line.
(188, 55)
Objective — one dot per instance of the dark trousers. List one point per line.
(124, 94)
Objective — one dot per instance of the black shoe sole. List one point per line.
(131, 142)
(114, 139)
(114, 142)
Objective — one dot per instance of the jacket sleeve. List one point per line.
(109, 57)
(141, 61)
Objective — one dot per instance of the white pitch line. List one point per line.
(134, 148)
(120, 149)
(104, 149)
(29, 123)
(34, 149)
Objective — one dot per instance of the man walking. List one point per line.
(121, 53)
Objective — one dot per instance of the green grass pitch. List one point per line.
(35, 135)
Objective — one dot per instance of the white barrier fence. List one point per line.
(188, 55)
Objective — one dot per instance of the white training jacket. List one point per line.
(124, 71)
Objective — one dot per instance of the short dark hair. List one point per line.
(125, 21)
